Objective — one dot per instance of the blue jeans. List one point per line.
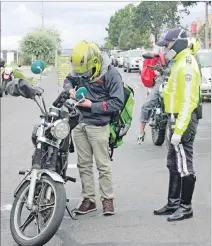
(151, 101)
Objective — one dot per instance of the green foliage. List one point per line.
(189, 3)
(201, 33)
(117, 22)
(155, 16)
(108, 44)
(131, 26)
(122, 32)
(40, 44)
(55, 34)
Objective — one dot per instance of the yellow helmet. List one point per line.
(194, 45)
(86, 60)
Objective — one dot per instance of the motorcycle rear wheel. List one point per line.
(158, 135)
(57, 214)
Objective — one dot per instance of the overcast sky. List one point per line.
(75, 20)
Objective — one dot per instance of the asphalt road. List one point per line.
(140, 181)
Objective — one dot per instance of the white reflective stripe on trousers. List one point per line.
(179, 165)
(184, 162)
(181, 160)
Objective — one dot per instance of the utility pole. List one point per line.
(42, 16)
(206, 25)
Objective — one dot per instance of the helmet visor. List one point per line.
(87, 74)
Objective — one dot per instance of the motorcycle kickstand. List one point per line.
(71, 213)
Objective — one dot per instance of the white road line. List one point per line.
(72, 165)
(6, 207)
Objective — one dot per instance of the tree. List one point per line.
(201, 34)
(154, 16)
(107, 44)
(131, 37)
(55, 34)
(41, 44)
(115, 25)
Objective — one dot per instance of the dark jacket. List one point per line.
(106, 93)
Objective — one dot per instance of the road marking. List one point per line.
(72, 165)
(6, 207)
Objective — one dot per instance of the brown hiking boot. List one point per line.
(86, 207)
(108, 208)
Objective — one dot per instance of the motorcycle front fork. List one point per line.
(34, 176)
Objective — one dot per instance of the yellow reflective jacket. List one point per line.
(181, 94)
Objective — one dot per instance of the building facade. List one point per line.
(10, 56)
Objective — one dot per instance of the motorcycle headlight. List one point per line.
(60, 129)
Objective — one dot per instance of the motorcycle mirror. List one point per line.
(37, 67)
(148, 55)
(80, 93)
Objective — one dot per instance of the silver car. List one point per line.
(132, 60)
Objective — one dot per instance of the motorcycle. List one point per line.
(159, 118)
(8, 75)
(42, 192)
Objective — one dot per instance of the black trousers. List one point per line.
(180, 158)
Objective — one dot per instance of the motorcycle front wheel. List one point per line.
(46, 214)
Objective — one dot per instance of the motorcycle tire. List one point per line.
(158, 135)
(53, 224)
(3, 89)
(167, 140)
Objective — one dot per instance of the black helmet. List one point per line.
(179, 38)
(2, 62)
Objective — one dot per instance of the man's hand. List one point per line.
(176, 139)
(72, 92)
(86, 103)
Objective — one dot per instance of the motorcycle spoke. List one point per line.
(29, 220)
(41, 192)
(38, 224)
(46, 207)
(24, 199)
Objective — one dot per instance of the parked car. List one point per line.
(205, 61)
(141, 61)
(132, 60)
(115, 57)
(121, 59)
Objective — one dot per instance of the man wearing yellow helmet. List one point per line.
(181, 98)
(92, 69)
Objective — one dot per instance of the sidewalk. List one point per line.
(26, 70)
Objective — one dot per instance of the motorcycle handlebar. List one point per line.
(61, 99)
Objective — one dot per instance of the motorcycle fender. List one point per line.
(55, 176)
(25, 179)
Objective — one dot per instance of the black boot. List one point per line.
(185, 210)
(173, 195)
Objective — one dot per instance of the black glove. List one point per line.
(19, 87)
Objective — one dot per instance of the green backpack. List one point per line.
(121, 120)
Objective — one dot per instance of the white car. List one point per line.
(141, 61)
(204, 58)
(121, 58)
(132, 60)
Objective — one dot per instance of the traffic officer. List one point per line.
(181, 98)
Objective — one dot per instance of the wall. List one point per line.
(9, 56)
